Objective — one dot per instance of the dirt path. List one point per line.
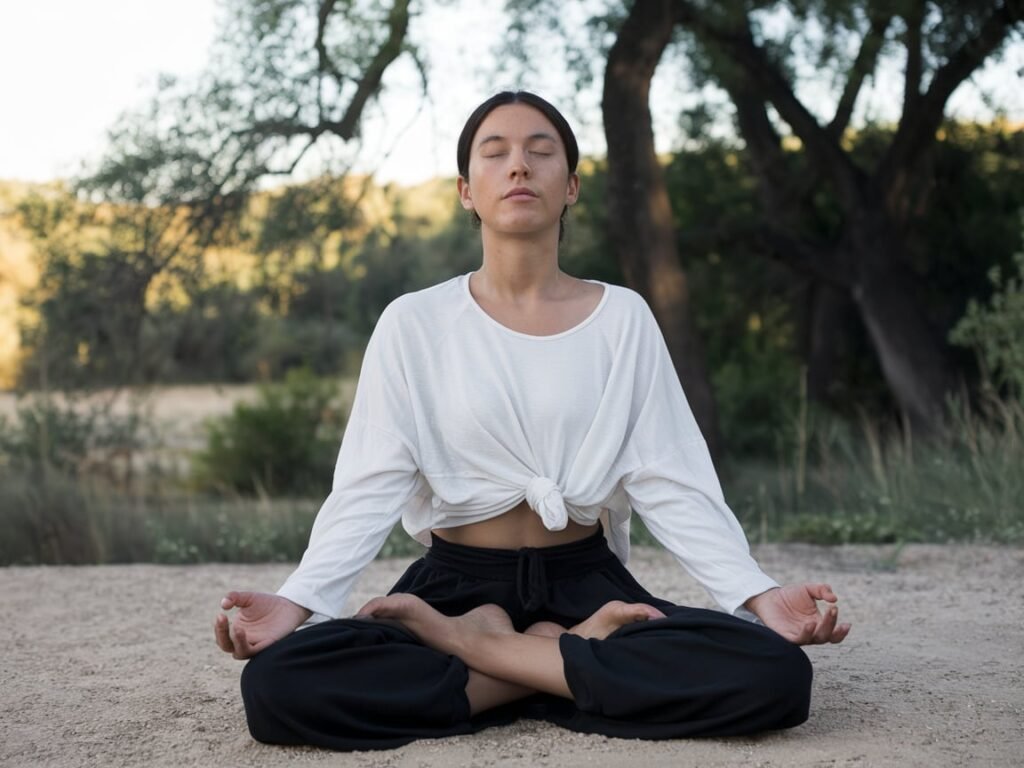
(115, 666)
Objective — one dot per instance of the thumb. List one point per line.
(822, 592)
(235, 599)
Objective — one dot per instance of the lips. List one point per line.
(519, 192)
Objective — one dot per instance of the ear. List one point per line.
(572, 192)
(465, 196)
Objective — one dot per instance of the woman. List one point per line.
(502, 416)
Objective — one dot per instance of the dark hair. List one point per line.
(572, 150)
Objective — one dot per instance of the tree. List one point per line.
(848, 222)
(639, 211)
(865, 255)
(287, 76)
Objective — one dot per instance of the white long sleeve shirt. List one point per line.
(457, 419)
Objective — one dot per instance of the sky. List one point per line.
(69, 68)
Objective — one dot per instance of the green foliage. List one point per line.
(284, 444)
(71, 522)
(878, 485)
(743, 304)
(50, 520)
(996, 331)
(181, 530)
(857, 528)
(55, 457)
(98, 268)
(586, 251)
(69, 437)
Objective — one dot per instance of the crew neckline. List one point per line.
(550, 337)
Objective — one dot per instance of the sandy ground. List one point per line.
(116, 666)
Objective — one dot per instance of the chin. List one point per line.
(521, 228)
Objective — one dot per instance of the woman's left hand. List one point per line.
(792, 611)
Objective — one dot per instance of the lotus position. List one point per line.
(513, 419)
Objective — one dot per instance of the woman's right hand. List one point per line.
(262, 619)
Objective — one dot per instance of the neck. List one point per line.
(519, 266)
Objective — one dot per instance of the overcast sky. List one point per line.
(68, 68)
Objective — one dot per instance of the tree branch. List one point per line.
(779, 194)
(739, 44)
(809, 258)
(863, 67)
(917, 127)
(324, 63)
(912, 77)
(391, 49)
(344, 128)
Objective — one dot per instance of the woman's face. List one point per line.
(519, 180)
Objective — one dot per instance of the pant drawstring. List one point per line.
(531, 579)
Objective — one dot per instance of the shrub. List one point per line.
(996, 331)
(284, 444)
(71, 436)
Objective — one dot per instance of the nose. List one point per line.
(518, 166)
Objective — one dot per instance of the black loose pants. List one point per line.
(355, 684)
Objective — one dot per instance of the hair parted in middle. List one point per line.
(572, 150)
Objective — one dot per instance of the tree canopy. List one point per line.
(811, 214)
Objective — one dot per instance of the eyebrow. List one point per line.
(531, 137)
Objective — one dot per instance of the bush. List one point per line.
(996, 331)
(70, 436)
(284, 444)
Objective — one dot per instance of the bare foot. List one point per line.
(443, 633)
(610, 616)
(486, 618)
(428, 624)
(545, 629)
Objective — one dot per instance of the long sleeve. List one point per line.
(675, 490)
(376, 479)
(680, 501)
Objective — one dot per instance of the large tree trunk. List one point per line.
(915, 361)
(639, 213)
(830, 315)
(868, 259)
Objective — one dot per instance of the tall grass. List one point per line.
(862, 483)
(831, 483)
(69, 522)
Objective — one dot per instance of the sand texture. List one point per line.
(116, 666)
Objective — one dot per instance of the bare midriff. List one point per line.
(519, 527)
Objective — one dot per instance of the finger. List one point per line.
(806, 633)
(242, 648)
(826, 626)
(841, 632)
(222, 634)
(821, 592)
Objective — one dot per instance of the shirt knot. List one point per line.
(545, 498)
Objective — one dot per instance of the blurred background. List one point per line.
(205, 206)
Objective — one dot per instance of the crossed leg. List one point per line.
(504, 665)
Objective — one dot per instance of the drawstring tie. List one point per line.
(531, 579)
(544, 498)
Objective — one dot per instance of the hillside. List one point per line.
(424, 209)
(18, 273)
